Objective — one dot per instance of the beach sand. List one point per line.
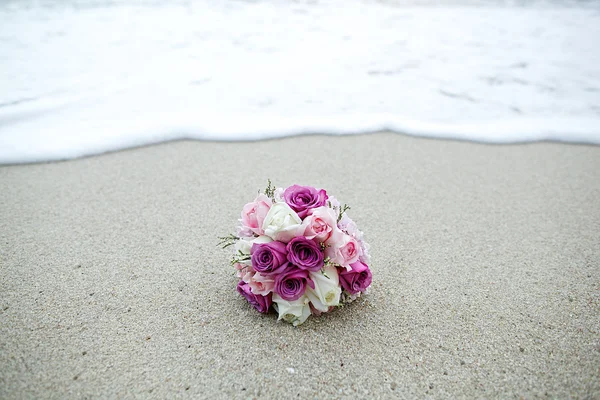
(486, 268)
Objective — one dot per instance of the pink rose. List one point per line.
(304, 198)
(291, 285)
(269, 258)
(261, 303)
(261, 284)
(357, 279)
(244, 272)
(320, 225)
(305, 254)
(343, 251)
(253, 214)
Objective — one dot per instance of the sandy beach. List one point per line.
(486, 266)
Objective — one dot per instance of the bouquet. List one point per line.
(297, 251)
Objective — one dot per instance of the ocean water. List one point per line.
(85, 77)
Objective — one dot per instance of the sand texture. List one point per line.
(486, 264)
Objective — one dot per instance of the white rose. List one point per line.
(295, 312)
(327, 289)
(281, 222)
(244, 246)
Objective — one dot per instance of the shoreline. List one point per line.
(300, 135)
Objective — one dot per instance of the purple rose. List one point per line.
(303, 198)
(269, 258)
(357, 279)
(305, 254)
(261, 303)
(291, 284)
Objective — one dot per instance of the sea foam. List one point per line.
(85, 77)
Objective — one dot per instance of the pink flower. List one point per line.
(244, 272)
(344, 251)
(243, 231)
(261, 284)
(261, 303)
(357, 278)
(305, 254)
(269, 258)
(320, 225)
(364, 257)
(258, 283)
(334, 202)
(291, 284)
(304, 198)
(253, 214)
(347, 225)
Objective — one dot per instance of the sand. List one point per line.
(486, 264)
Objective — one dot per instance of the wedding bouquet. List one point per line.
(296, 250)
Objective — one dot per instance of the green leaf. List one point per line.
(270, 190)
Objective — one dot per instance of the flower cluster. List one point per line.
(296, 250)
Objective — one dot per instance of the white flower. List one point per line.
(244, 246)
(281, 222)
(335, 204)
(295, 312)
(278, 195)
(327, 289)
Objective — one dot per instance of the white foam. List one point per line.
(86, 78)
